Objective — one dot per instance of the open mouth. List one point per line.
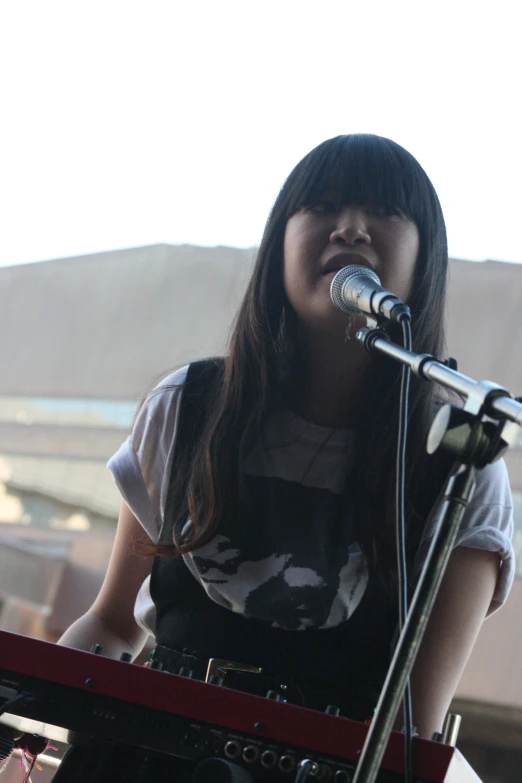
(341, 261)
(333, 271)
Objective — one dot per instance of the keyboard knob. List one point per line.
(332, 710)
(215, 679)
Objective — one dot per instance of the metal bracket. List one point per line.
(221, 667)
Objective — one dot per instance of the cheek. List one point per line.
(405, 263)
(303, 244)
(294, 248)
(295, 238)
(412, 255)
(300, 252)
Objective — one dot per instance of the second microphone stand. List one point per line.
(475, 435)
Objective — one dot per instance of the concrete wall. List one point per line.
(106, 325)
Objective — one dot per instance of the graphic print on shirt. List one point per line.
(292, 561)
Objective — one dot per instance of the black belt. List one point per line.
(280, 686)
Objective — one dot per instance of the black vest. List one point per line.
(348, 663)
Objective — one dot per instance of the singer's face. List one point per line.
(322, 239)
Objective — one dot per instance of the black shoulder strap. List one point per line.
(199, 391)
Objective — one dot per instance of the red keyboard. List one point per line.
(172, 714)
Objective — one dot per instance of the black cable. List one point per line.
(400, 535)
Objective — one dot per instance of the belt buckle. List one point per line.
(220, 667)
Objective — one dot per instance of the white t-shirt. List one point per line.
(296, 563)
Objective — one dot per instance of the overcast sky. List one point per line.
(131, 123)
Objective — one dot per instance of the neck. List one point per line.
(330, 379)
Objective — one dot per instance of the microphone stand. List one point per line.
(476, 435)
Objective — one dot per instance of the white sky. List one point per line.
(130, 123)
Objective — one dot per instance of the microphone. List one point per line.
(356, 290)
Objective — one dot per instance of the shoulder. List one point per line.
(141, 463)
(492, 486)
(160, 407)
(167, 390)
(490, 511)
(488, 525)
(160, 410)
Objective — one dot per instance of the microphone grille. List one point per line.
(344, 275)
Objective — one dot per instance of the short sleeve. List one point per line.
(488, 525)
(141, 466)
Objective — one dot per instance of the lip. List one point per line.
(340, 260)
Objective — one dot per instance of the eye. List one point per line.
(324, 207)
(387, 211)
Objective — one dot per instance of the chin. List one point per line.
(332, 323)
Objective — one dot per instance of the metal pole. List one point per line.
(460, 490)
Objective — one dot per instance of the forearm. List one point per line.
(460, 608)
(91, 629)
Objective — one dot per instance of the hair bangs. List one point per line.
(365, 170)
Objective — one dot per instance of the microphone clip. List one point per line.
(369, 334)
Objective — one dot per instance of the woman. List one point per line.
(270, 476)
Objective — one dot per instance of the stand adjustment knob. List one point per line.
(332, 710)
(450, 730)
(215, 679)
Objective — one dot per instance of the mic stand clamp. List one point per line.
(474, 443)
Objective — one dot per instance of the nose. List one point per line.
(351, 228)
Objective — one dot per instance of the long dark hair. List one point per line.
(374, 171)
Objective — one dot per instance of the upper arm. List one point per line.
(459, 611)
(125, 575)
